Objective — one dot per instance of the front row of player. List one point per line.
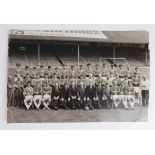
(80, 97)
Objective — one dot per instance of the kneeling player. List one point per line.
(130, 95)
(46, 96)
(28, 93)
(37, 95)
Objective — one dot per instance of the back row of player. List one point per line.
(111, 71)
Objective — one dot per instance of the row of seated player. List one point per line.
(90, 96)
(116, 87)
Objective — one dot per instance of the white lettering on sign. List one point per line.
(62, 33)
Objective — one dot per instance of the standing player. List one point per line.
(26, 71)
(128, 72)
(121, 71)
(88, 70)
(41, 72)
(18, 70)
(37, 95)
(49, 71)
(145, 91)
(18, 84)
(10, 91)
(104, 72)
(81, 72)
(34, 72)
(97, 71)
(28, 96)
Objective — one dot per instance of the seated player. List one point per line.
(97, 99)
(114, 94)
(136, 84)
(37, 91)
(81, 95)
(46, 90)
(56, 94)
(73, 95)
(28, 96)
(101, 95)
(122, 97)
(130, 95)
(90, 95)
(64, 96)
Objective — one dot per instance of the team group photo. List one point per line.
(77, 76)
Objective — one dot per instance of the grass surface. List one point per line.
(14, 115)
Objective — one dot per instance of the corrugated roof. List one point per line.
(133, 37)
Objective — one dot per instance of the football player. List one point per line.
(73, 94)
(130, 95)
(28, 96)
(56, 94)
(46, 90)
(114, 94)
(37, 91)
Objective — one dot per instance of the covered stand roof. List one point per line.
(131, 37)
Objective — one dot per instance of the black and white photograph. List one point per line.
(59, 76)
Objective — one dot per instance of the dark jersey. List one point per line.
(56, 92)
(90, 92)
(37, 90)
